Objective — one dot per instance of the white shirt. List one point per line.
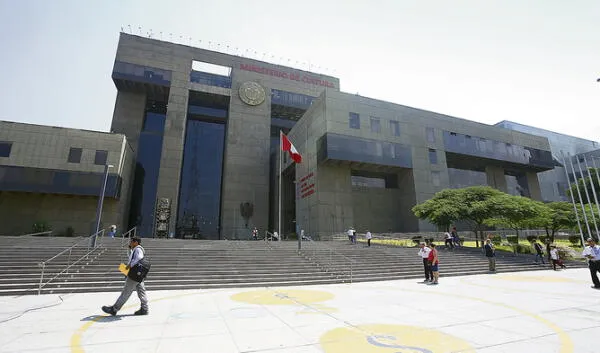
(350, 231)
(554, 254)
(136, 255)
(593, 251)
(448, 235)
(369, 236)
(424, 252)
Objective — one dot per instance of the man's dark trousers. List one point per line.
(428, 272)
(594, 268)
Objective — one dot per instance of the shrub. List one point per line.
(513, 239)
(523, 249)
(543, 238)
(575, 240)
(496, 240)
(41, 226)
(532, 238)
(416, 239)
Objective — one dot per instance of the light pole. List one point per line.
(100, 204)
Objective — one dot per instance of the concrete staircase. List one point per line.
(190, 264)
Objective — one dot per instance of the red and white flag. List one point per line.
(286, 145)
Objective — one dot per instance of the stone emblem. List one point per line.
(252, 93)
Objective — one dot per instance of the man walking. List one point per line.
(539, 252)
(424, 254)
(490, 253)
(368, 236)
(592, 253)
(130, 285)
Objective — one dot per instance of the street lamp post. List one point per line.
(100, 204)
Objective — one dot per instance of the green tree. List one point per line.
(479, 204)
(556, 216)
(585, 183)
(516, 212)
(442, 210)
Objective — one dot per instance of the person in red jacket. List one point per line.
(435, 262)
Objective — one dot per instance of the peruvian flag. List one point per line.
(286, 145)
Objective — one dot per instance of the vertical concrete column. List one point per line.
(533, 183)
(128, 116)
(335, 210)
(173, 140)
(496, 178)
(246, 162)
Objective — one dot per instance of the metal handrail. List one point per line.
(32, 234)
(314, 253)
(43, 264)
(127, 235)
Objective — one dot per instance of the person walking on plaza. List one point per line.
(490, 253)
(136, 256)
(350, 233)
(434, 262)
(448, 243)
(592, 253)
(255, 233)
(424, 254)
(455, 238)
(539, 252)
(369, 236)
(556, 258)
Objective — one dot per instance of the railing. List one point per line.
(125, 240)
(99, 238)
(34, 234)
(328, 259)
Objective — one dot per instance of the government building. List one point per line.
(193, 152)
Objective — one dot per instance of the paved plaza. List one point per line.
(542, 311)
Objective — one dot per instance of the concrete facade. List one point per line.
(554, 183)
(246, 160)
(339, 202)
(39, 184)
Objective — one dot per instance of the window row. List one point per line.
(75, 153)
(354, 123)
(100, 158)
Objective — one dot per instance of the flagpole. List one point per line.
(593, 189)
(279, 193)
(587, 195)
(573, 200)
(585, 219)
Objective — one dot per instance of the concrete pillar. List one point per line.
(173, 139)
(534, 186)
(246, 162)
(496, 178)
(128, 116)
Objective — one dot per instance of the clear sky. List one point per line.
(535, 62)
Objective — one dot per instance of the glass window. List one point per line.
(201, 177)
(395, 128)
(101, 157)
(368, 182)
(75, 155)
(430, 134)
(432, 156)
(435, 178)
(154, 123)
(145, 181)
(375, 125)
(354, 120)
(5, 148)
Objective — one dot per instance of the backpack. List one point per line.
(140, 270)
